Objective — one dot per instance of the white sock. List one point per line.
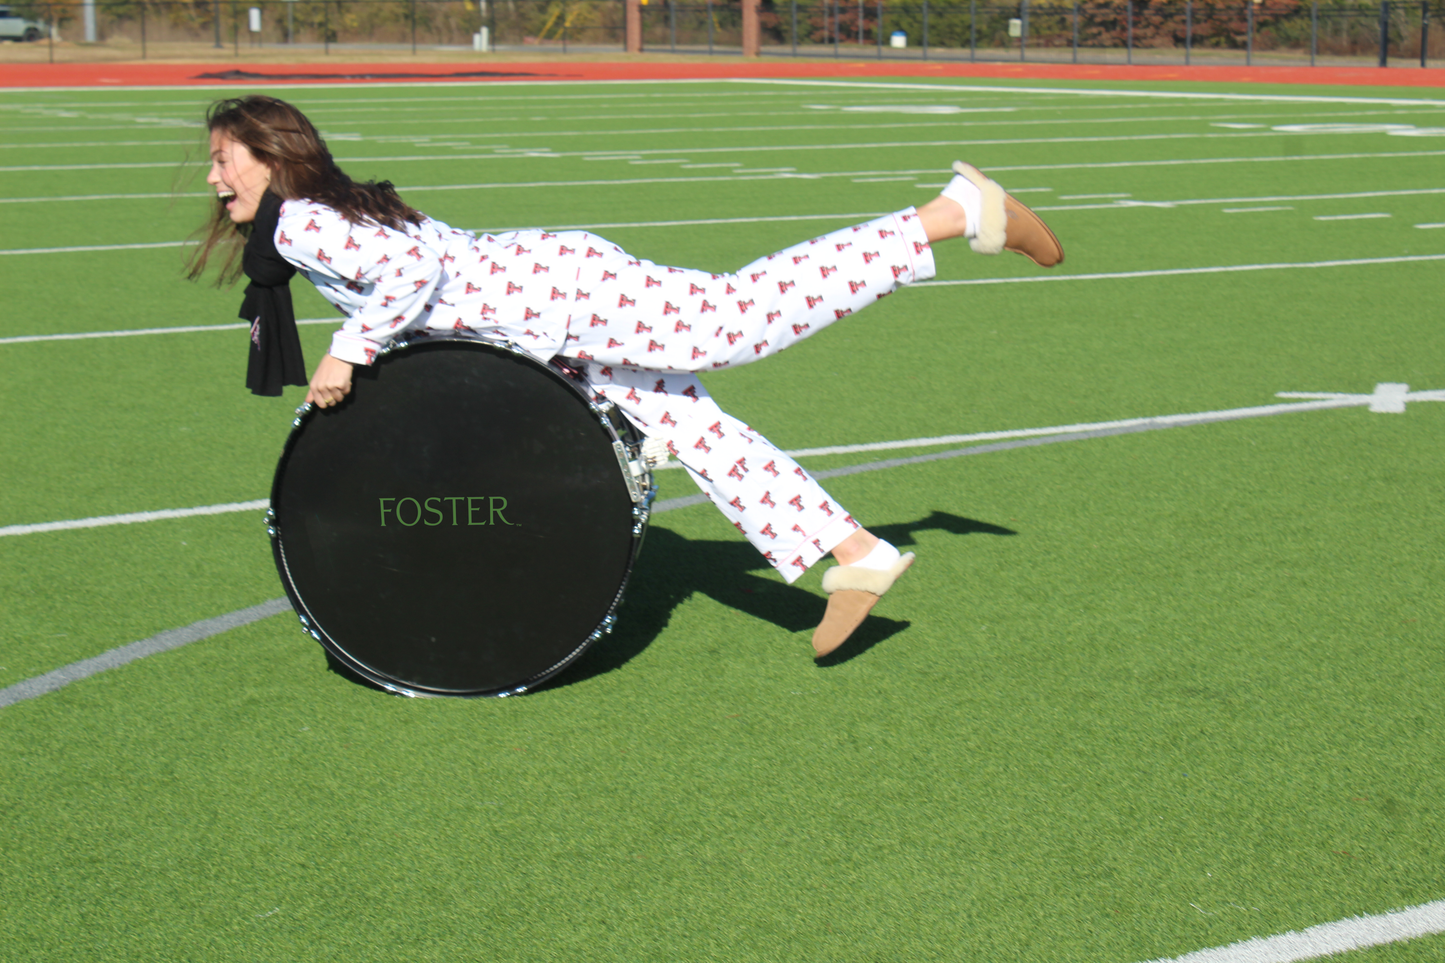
(967, 194)
(881, 559)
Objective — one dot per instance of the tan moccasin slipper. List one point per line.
(1008, 225)
(852, 593)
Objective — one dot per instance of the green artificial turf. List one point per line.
(1141, 695)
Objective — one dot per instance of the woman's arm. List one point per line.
(387, 275)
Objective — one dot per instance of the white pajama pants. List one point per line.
(645, 330)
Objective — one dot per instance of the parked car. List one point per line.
(15, 27)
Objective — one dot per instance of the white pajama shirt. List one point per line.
(638, 331)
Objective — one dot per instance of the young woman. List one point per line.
(639, 332)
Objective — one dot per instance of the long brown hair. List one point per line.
(279, 136)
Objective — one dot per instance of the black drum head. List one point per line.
(458, 526)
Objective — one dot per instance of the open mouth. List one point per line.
(225, 197)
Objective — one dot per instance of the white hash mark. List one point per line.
(1389, 398)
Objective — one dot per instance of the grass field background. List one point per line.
(1141, 694)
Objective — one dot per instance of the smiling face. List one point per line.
(238, 177)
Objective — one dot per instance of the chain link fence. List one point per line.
(1077, 31)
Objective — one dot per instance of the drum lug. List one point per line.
(301, 413)
(605, 628)
(639, 519)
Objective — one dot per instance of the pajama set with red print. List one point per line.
(637, 330)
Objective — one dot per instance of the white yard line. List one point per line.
(1161, 421)
(1379, 155)
(736, 149)
(1327, 939)
(134, 332)
(132, 518)
(1095, 92)
(1030, 279)
(1197, 201)
(96, 247)
(502, 230)
(100, 144)
(1172, 272)
(1387, 398)
(377, 118)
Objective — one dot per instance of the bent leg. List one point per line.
(778, 507)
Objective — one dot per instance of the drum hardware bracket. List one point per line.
(632, 472)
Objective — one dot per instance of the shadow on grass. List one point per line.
(671, 568)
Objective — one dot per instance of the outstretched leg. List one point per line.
(644, 315)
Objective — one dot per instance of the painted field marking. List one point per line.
(552, 227)
(1348, 217)
(1197, 201)
(1093, 92)
(1327, 939)
(96, 247)
(932, 170)
(133, 518)
(1252, 210)
(117, 657)
(1429, 226)
(740, 149)
(1174, 272)
(102, 144)
(1387, 398)
(1032, 279)
(134, 332)
(470, 139)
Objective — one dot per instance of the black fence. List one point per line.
(1080, 30)
(1073, 31)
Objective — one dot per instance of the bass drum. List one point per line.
(463, 524)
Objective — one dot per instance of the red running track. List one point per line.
(253, 75)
